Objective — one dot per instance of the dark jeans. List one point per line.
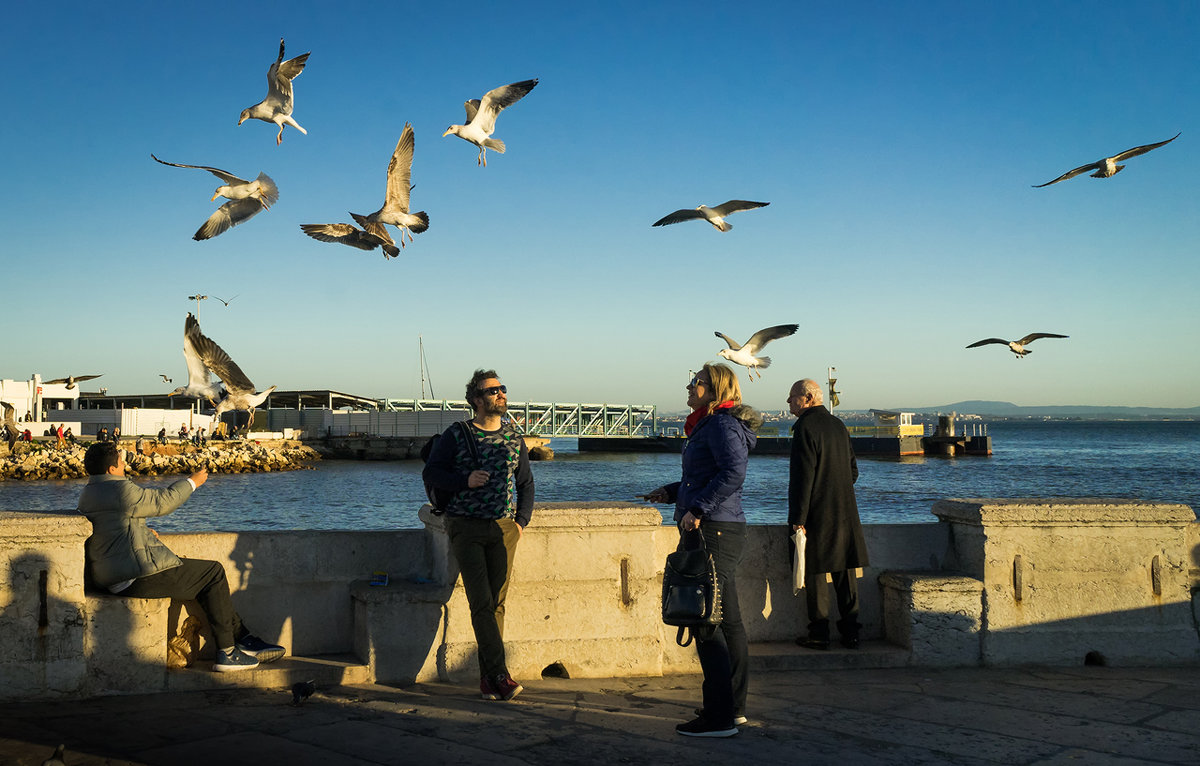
(723, 651)
(484, 550)
(816, 591)
(199, 580)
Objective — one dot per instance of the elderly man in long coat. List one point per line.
(821, 502)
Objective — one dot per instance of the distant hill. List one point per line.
(1092, 412)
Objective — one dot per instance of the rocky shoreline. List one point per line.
(43, 461)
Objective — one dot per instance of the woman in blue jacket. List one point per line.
(708, 500)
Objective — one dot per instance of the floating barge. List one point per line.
(893, 435)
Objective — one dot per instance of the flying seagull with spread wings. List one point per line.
(278, 105)
(71, 380)
(714, 215)
(1108, 167)
(745, 354)
(369, 237)
(1017, 346)
(246, 199)
(239, 390)
(481, 117)
(399, 185)
(200, 383)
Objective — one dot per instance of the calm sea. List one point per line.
(1157, 461)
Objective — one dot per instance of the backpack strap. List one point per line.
(679, 634)
(469, 438)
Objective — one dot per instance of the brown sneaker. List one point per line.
(506, 687)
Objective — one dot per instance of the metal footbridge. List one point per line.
(553, 419)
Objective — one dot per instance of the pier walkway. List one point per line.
(1086, 715)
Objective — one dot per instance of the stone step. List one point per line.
(325, 670)
(786, 655)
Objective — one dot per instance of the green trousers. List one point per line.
(484, 549)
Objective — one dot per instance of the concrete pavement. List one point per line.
(1084, 715)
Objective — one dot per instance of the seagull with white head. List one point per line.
(246, 199)
(714, 215)
(1108, 167)
(1017, 346)
(481, 117)
(278, 105)
(745, 355)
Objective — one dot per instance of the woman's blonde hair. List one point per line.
(724, 385)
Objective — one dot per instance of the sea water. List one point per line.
(1155, 461)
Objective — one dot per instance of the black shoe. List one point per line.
(850, 642)
(259, 649)
(702, 727)
(738, 718)
(808, 642)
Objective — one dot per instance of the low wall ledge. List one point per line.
(21, 525)
(1064, 510)
(930, 581)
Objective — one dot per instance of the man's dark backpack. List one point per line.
(440, 498)
(691, 598)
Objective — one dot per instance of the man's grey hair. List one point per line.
(812, 388)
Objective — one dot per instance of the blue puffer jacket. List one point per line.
(714, 465)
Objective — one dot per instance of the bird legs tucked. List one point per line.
(482, 157)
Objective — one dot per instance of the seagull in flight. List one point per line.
(714, 215)
(278, 105)
(399, 184)
(1108, 167)
(481, 117)
(745, 354)
(239, 390)
(200, 384)
(369, 237)
(71, 380)
(1017, 346)
(10, 425)
(165, 378)
(246, 199)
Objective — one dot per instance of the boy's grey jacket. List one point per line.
(122, 547)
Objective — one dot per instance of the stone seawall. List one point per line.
(994, 582)
(44, 461)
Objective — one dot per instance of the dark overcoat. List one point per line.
(821, 493)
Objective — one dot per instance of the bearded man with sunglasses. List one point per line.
(492, 503)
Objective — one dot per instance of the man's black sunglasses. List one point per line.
(494, 390)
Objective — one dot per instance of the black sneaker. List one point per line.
(259, 649)
(738, 718)
(702, 727)
(233, 661)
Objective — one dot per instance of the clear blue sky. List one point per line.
(896, 142)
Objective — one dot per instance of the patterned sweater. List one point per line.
(502, 453)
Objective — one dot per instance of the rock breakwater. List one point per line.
(45, 462)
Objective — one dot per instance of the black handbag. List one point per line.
(691, 596)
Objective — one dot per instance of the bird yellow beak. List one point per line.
(448, 132)
(214, 197)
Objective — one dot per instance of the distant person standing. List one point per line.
(61, 443)
(492, 504)
(126, 558)
(821, 502)
(116, 434)
(102, 434)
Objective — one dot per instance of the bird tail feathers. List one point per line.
(726, 226)
(764, 361)
(495, 144)
(423, 225)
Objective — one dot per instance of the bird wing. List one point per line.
(986, 341)
(56, 381)
(224, 175)
(81, 378)
(733, 344)
(497, 99)
(375, 230)
(399, 173)
(270, 192)
(1135, 151)
(9, 414)
(342, 233)
(227, 216)
(1073, 173)
(734, 205)
(214, 358)
(197, 370)
(279, 80)
(687, 214)
(766, 335)
(1031, 337)
(472, 108)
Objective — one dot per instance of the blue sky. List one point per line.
(896, 142)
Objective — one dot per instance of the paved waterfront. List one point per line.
(1085, 715)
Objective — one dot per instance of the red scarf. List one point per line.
(701, 413)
